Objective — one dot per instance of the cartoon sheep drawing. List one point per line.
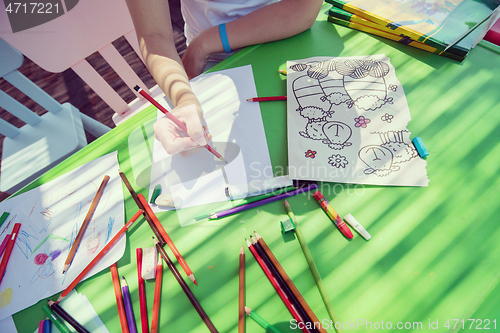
(335, 134)
(387, 157)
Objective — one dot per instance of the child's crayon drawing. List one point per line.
(352, 113)
(50, 217)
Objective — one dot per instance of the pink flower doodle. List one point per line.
(361, 121)
(311, 153)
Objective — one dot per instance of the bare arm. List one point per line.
(156, 40)
(276, 21)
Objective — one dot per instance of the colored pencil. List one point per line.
(289, 282)
(47, 326)
(156, 302)
(315, 272)
(119, 299)
(55, 320)
(142, 292)
(128, 307)
(40, 326)
(276, 286)
(140, 205)
(86, 221)
(282, 71)
(248, 200)
(101, 254)
(255, 204)
(284, 287)
(267, 99)
(8, 249)
(167, 239)
(261, 321)
(185, 288)
(241, 294)
(4, 244)
(174, 119)
(67, 317)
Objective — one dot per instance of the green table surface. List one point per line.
(434, 257)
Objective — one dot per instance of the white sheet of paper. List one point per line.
(347, 119)
(7, 325)
(50, 217)
(238, 134)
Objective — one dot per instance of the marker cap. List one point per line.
(318, 195)
(356, 226)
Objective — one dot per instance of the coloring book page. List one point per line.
(50, 217)
(347, 121)
(238, 135)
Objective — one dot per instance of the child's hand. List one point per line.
(174, 139)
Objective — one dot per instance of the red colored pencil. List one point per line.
(142, 292)
(8, 249)
(185, 288)
(156, 302)
(241, 294)
(167, 239)
(174, 119)
(278, 289)
(119, 299)
(267, 99)
(101, 254)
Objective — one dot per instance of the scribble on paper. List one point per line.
(5, 297)
(50, 216)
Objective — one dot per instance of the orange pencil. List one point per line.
(119, 299)
(8, 249)
(101, 254)
(142, 292)
(167, 239)
(85, 224)
(156, 302)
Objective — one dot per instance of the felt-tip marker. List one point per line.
(337, 220)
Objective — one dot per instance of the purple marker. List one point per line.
(128, 307)
(262, 202)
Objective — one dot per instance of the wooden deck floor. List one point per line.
(68, 87)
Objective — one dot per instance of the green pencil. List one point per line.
(312, 266)
(261, 321)
(55, 320)
(3, 217)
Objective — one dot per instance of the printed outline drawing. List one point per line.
(383, 159)
(328, 84)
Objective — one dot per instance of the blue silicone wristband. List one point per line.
(223, 38)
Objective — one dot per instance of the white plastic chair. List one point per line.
(65, 42)
(44, 140)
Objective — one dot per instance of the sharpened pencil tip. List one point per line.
(248, 310)
(242, 250)
(137, 88)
